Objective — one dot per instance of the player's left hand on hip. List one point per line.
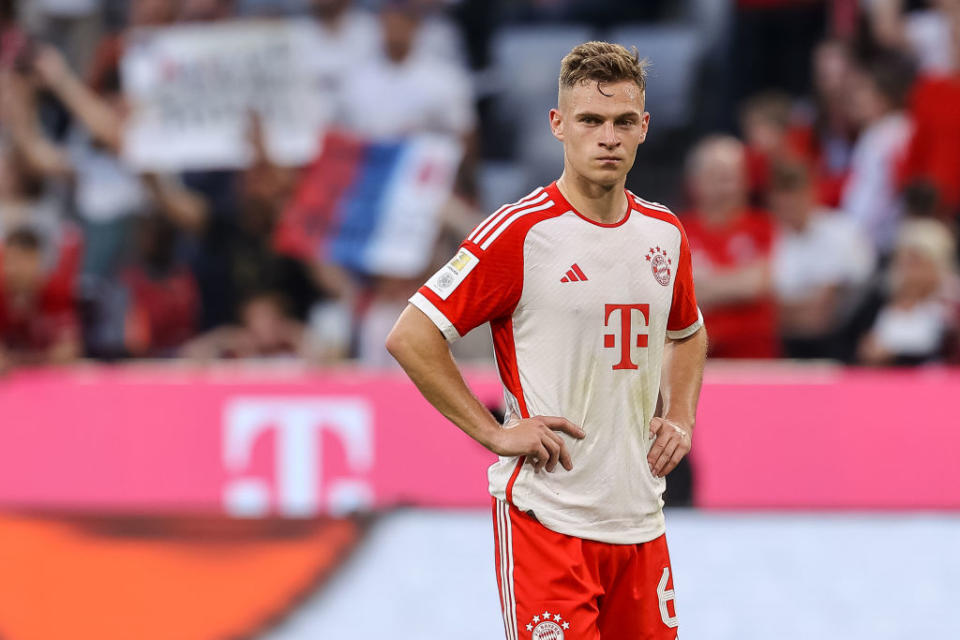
(672, 443)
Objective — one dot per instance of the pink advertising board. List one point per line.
(250, 441)
(828, 437)
(266, 440)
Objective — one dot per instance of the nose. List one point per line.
(608, 136)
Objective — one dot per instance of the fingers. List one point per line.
(540, 456)
(674, 460)
(660, 442)
(553, 447)
(669, 448)
(565, 460)
(550, 449)
(656, 424)
(671, 444)
(563, 456)
(562, 424)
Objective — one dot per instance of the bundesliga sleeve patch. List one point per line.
(445, 281)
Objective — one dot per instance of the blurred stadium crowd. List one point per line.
(811, 148)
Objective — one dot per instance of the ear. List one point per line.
(556, 124)
(644, 125)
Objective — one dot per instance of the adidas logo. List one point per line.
(575, 274)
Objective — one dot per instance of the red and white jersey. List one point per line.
(579, 312)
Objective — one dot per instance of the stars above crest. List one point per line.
(549, 619)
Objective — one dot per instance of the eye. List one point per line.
(590, 120)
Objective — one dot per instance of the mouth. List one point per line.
(609, 159)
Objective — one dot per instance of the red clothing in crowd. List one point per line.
(163, 312)
(744, 329)
(934, 151)
(51, 315)
(801, 143)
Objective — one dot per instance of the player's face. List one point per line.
(601, 126)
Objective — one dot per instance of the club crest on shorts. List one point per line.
(547, 626)
(660, 264)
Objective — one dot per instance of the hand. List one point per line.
(671, 444)
(50, 66)
(536, 439)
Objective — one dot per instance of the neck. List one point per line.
(601, 203)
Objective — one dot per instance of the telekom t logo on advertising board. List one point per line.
(298, 486)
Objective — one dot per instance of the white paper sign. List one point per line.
(192, 88)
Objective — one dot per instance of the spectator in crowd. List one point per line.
(923, 34)
(393, 96)
(235, 257)
(934, 149)
(25, 203)
(921, 199)
(108, 194)
(821, 265)
(400, 94)
(438, 36)
(927, 32)
(731, 245)
(73, 26)
(344, 32)
(915, 323)
(770, 135)
(162, 298)
(140, 14)
(878, 89)
(38, 321)
(832, 134)
(348, 32)
(25, 199)
(152, 307)
(266, 330)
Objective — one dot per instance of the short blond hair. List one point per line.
(603, 62)
(932, 239)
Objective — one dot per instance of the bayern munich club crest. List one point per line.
(547, 626)
(660, 264)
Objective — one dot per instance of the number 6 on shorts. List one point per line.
(665, 595)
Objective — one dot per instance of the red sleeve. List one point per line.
(476, 286)
(685, 318)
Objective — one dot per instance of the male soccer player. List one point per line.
(589, 294)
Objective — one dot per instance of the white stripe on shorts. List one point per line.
(506, 572)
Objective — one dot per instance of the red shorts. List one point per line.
(558, 587)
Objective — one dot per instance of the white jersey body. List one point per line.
(580, 313)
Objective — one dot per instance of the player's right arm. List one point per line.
(423, 352)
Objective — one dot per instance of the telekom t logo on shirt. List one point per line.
(626, 330)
